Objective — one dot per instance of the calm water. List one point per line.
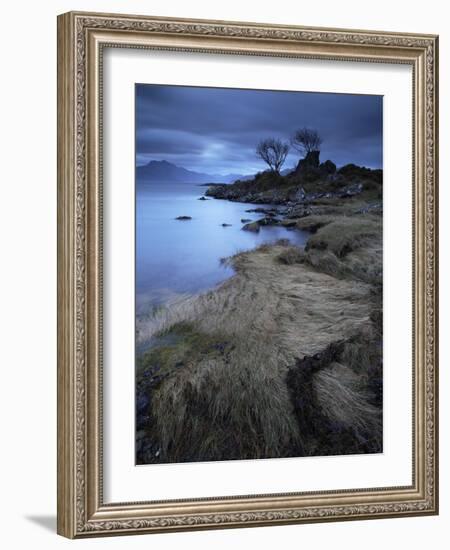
(175, 257)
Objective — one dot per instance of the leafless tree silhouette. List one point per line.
(273, 152)
(306, 140)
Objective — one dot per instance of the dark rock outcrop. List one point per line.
(322, 434)
(309, 168)
(309, 182)
(310, 162)
(328, 167)
(352, 172)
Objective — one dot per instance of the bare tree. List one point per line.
(306, 140)
(273, 152)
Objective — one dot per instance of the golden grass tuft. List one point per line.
(346, 234)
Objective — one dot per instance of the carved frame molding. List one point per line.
(81, 39)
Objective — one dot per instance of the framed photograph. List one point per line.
(247, 288)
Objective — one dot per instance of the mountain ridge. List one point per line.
(163, 170)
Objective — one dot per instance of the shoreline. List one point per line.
(312, 386)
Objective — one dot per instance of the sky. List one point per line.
(216, 130)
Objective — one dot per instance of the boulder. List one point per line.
(311, 161)
(253, 226)
(298, 196)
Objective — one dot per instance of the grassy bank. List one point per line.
(283, 359)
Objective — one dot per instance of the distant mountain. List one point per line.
(161, 170)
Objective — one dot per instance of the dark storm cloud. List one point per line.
(216, 130)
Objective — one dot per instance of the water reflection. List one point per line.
(176, 257)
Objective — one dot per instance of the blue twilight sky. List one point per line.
(216, 130)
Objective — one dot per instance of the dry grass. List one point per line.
(220, 408)
(285, 357)
(345, 246)
(292, 255)
(344, 400)
(364, 264)
(224, 393)
(345, 234)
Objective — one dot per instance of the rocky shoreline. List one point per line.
(352, 190)
(212, 388)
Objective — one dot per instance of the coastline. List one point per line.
(316, 372)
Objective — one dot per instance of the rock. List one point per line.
(245, 220)
(203, 199)
(253, 226)
(309, 164)
(351, 171)
(377, 207)
(268, 211)
(268, 221)
(183, 218)
(328, 167)
(350, 190)
(298, 211)
(288, 223)
(217, 191)
(311, 160)
(226, 225)
(299, 194)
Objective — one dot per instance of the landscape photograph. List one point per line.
(258, 274)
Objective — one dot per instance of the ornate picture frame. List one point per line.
(82, 38)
